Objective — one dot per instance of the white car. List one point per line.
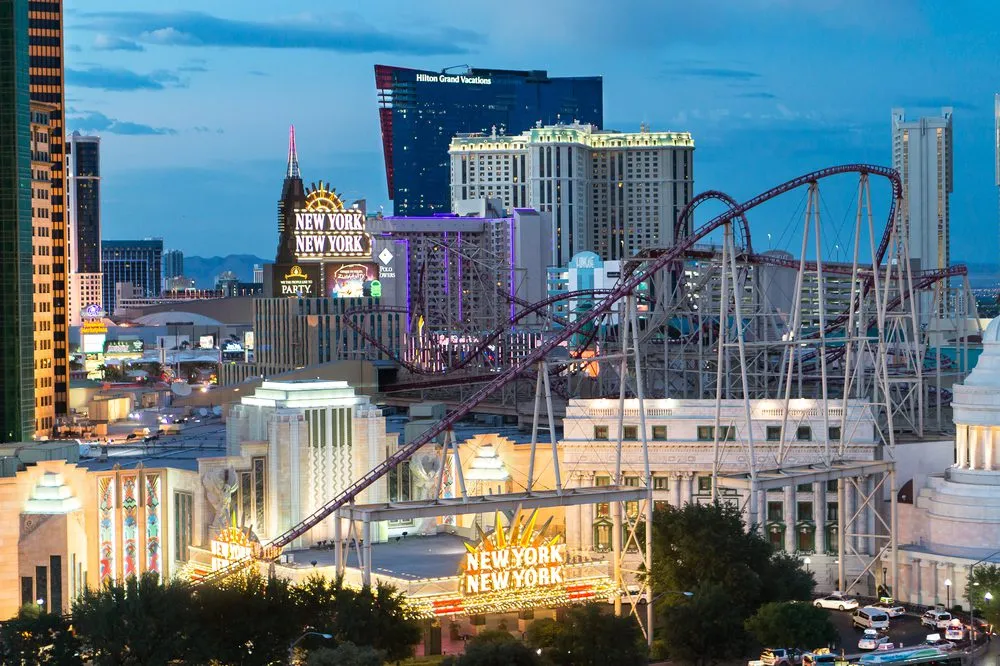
(871, 640)
(936, 619)
(836, 602)
(935, 640)
(890, 609)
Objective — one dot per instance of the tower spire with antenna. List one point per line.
(293, 156)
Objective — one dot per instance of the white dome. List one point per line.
(992, 333)
(976, 401)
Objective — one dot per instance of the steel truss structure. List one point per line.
(716, 334)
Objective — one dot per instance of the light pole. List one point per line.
(291, 648)
(947, 587)
(807, 562)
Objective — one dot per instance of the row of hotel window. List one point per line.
(707, 433)
(704, 485)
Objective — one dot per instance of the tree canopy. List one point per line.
(589, 636)
(36, 637)
(706, 549)
(790, 624)
(495, 648)
(985, 578)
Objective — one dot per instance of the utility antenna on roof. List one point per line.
(293, 156)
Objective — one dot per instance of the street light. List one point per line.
(291, 648)
(807, 562)
(947, 586)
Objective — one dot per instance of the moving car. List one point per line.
(781, 657)
(836, 602)
(889, 606)
(955, 630)
(872, 639)
(935, 641)
(870, 618)
(936, 618)
(821, 657)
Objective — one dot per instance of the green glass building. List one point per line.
(17, 402)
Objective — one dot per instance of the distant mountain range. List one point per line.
(204, 270)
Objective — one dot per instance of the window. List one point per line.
(834, 433)
(601, 433)
(831, 486)
(660, 433)
(661, 483)
(602, 534)
(183, 525)
(832, 512)
(804, 433)
(805, 511)
(774, 433)
(706, 433)
(602, 480)
(804, 487)
(704, 484)
(630, 432)
(631, 481)
(776, 511)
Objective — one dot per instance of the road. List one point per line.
(906, 630)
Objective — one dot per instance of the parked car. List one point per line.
(935, 641)
(781, 657)
(836, 602)
(889, 606)
(872, 639)
(936, 618)
(870, 618)
(821, 657)
(955, 630)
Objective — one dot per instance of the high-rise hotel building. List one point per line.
(41, 267)
(45, 48)
(922, 154)
(83, 190)
(17, 412)
(612, 193)
(420, 111)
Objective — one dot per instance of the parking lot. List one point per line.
(905, 630)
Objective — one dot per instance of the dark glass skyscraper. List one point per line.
(139, 262)
(17, 397)
(85, 201)
(421, 111)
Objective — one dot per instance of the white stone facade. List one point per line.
(680, 437)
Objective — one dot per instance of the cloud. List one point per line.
(192, 68)
(95, 121)
(725, 73)
(758, 95)
(104, 42)
(118, 79)
(304, 32)
(257, 72)
(936, 102)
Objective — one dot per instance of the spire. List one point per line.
(293, 156)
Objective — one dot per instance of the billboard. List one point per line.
(350, 280)
(296, 280)
(326, 230)
(123, 348)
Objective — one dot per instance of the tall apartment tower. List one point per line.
(613, 193)
(45, 49)
(41, 262)
(136, 262)
(17, 413)
(173, 265)
(83, 190)
(922, 153)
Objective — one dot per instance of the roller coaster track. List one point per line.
(625, 288)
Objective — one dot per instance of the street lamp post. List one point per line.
(291, 648)
(947, 587)
(807, 562)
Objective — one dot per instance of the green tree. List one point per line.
(248, 619)
(37, 637)
(985, 578)
(589, 636)
(703, 629)
(138, 621)
(346, 654)
(790, 623)
(786, 580)
(497, 648)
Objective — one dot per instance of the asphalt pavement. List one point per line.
(905, 630)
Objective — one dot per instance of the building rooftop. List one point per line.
(181, 451)
(406, 558)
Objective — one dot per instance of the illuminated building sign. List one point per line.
(93, 311)
(94, 327)
(326, 230)
(445, 78)
(518, 558)
(296, 282)
(234, 544)
(349, 280)
(123, 347)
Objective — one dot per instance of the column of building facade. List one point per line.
(850, 527)
(819, 515)
(675, 489)
(685, 484)
(973, 446)
(587, 518)
(961, 445)
(941, 572)
(871, 546)
(908, 579)
(788, 516)
(988, 441)
(761, 500)
(925, 592)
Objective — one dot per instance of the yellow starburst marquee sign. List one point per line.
(325, 229)
(520, 557)
(516, 568)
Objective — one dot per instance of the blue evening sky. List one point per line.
(193, 99)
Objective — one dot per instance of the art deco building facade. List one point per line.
(41, 267)
(16, 355)
(45, 48)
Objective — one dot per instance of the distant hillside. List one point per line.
(203, 270)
